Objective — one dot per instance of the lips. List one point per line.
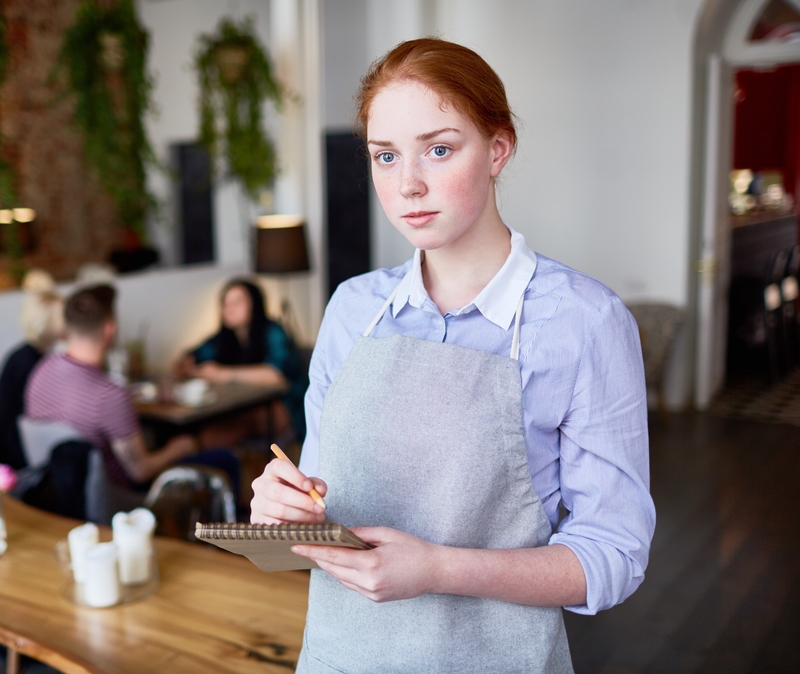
(419, 218)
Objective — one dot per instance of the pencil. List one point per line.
(313, 493)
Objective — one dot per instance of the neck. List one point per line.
(86, 351)
(242, 334)
(456, 274)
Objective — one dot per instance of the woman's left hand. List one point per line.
(400, 566)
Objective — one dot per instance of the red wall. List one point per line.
(767, 127)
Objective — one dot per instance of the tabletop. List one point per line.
(225, 399)
(213, 611)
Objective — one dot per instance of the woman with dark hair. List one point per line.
(252, 349)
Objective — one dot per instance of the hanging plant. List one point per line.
(104, 56)
(235, 81)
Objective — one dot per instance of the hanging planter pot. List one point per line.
(236, 81)
(232, 61)
(112, 51)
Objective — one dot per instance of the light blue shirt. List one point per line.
(583, 393)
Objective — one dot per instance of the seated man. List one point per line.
(73, 388)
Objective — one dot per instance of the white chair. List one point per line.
(102, 497)
(38, 438)
(659, 325)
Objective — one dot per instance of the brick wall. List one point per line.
(76, 220)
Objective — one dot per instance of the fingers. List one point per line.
(319, 485)
(399, 567)
(281, 495)
(357, 570)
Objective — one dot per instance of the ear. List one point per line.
(501, 147)
(110, 331)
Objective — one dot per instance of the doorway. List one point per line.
(733, 35)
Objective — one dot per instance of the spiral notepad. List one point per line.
(268, 546)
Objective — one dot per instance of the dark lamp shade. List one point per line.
(281, 244)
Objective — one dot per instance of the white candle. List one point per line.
(80, 538)
(102, 581)
(133, 534)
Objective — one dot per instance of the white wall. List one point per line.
(172, 309)
(602, 91)
(174, 27)
(288, 30)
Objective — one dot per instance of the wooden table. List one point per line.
(228, 399)
(213, 611)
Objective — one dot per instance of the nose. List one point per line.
(412, 183)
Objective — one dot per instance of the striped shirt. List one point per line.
(63, 389)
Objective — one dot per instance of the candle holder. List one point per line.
(75, 592)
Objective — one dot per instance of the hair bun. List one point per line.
(37, 281)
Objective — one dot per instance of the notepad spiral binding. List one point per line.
(242, 531)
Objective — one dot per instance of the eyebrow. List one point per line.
(422, 137)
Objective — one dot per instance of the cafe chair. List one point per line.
(67, 475)
(790, 291)
(184, 495)
(659, 325)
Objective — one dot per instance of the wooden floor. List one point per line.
(722, 591)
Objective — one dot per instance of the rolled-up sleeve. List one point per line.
(604, 462)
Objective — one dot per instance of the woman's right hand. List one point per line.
(281, 495)
(183, 367)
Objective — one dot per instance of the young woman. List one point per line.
(250, 348)
(455, 403)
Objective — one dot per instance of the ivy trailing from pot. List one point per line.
(104, 55)
(236, 80)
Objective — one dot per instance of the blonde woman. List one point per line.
(42, 322)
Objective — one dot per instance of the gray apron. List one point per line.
(427, 438)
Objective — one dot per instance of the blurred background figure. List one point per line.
(250, 348)
(42, 320)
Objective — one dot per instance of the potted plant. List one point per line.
(236, 80)
(104, 55)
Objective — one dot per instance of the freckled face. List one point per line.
(236, 308)
(432, 169)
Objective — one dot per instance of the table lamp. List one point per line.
(281, 244)
(281, 248)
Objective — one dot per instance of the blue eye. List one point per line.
(386, 157)
(440, 151)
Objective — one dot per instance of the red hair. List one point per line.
(456, 74)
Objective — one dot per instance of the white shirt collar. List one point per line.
(497, 301)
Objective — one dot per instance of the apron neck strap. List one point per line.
(382, 311)
(515, 339)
